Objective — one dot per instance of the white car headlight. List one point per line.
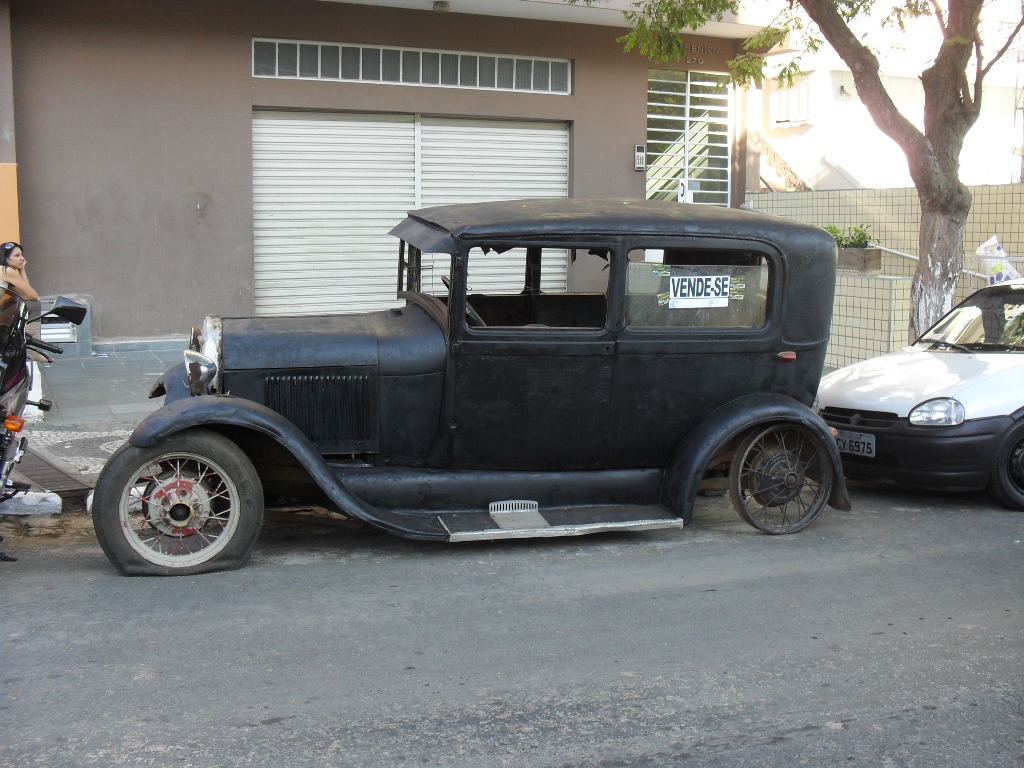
(943, 412)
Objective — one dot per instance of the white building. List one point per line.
(818, 134)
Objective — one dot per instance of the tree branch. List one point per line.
(940, 16)
(1006, 46)
(865, 69)
(979, 73)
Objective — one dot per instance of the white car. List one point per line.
(946, 412)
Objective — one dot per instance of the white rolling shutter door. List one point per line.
(325, 193)
(469, 161)
(465, 161)
(327, 188)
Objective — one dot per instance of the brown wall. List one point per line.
(132, 121)
(134, 134)
(9, 220)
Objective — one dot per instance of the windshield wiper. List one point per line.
(943, 342)
(999, 346)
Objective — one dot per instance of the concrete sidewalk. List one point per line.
(106, 390)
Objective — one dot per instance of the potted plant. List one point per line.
(855, 247)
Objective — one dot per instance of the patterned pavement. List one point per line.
(81, 452)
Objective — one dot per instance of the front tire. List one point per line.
(1007, 481)
(780, 478)
(190, 504)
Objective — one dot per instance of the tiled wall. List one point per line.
(893, 215)
(872, 308)
(870, 317)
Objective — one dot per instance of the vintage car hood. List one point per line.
(403, 342)
(986, 383)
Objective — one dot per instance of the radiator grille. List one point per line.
(337, 411)
(848, 417)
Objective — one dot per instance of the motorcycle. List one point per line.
(16, 376)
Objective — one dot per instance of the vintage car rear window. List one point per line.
(700, 288)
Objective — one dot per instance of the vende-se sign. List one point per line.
(696, 291)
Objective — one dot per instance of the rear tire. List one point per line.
(190, 504)
(781, 478)
(1007, 481)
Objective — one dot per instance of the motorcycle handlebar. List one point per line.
(32, 341)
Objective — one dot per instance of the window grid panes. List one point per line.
(403, 66)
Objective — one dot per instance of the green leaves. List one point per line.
(909, 9)
(850, 237)
(655, 25)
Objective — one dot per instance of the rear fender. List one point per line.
(225, 410)
(725, 426)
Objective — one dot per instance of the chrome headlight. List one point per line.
(203, 357)
(200, 372)
(942, 412)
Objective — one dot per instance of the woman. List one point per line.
(13, 271)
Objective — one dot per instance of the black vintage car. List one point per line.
(510, 396)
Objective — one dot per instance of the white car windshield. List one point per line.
(991, 319)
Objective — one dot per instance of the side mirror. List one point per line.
(67, 309)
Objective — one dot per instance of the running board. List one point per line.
(524, 520)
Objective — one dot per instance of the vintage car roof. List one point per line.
(436, 229)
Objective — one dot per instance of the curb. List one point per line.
(32, 503)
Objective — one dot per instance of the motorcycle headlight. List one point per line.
(943, 412)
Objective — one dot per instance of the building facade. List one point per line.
(169, 160)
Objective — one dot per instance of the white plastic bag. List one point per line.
(996, 264)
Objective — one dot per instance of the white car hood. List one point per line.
(985, 383)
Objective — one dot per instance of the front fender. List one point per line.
(207, 410)
(726, 424)
(173, 385)
(226, 410)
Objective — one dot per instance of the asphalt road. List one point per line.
(887, 636)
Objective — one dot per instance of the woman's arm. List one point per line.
(19, 282)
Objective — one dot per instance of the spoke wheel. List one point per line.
(1007, 481)
(780, 478)
(193, 503)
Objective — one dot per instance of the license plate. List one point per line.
(857, 443)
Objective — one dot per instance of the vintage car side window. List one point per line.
(699, 288)
(537, 287)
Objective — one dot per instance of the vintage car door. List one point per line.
(697, 333)
(530, 377)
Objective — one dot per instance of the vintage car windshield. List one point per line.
(988, 321)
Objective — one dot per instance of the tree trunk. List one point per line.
(951, 107)
(941, 260)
